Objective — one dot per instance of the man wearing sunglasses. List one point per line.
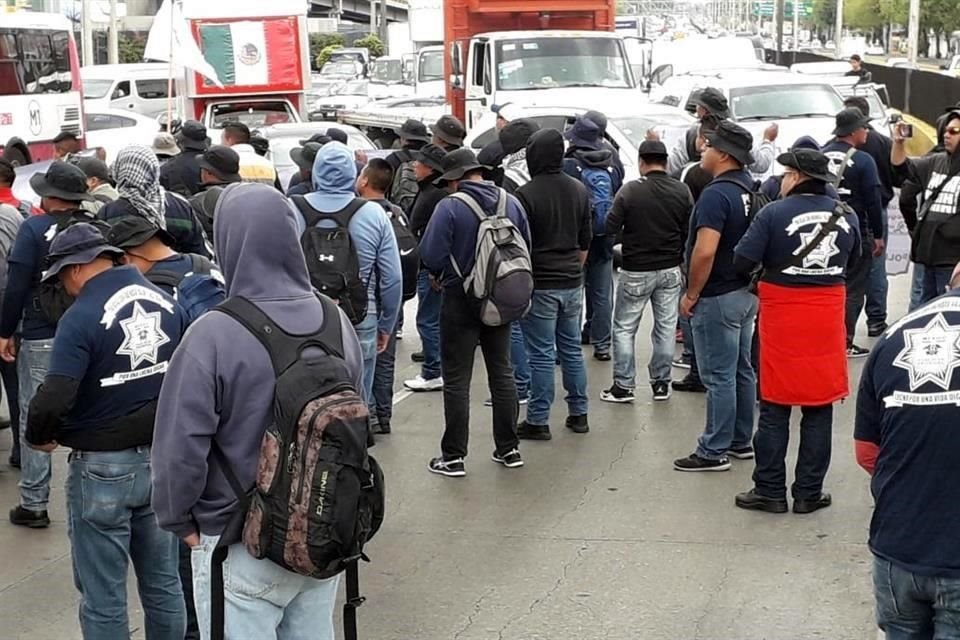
(936, 238)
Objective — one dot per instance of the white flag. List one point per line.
(170, 40)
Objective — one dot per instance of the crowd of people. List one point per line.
(531, 249)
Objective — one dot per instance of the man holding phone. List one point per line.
(936, 239)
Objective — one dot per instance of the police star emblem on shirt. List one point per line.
(930, 354)
(822, 253)
(142, 336)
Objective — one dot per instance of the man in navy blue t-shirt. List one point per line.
(804, 243)
(99, 398)
(721, 309)
(62, 190)
(859, 186)
(908, 408)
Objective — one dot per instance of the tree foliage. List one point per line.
(373, 43)
(321, 41)
(130, 48)
(325, 54)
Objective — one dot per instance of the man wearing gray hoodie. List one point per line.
(219, 387)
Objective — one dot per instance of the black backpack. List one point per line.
(50, 298)
(408, 246)
(318, 497)
(332, 259)
(758, 199)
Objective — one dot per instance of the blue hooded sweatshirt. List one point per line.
(453, 227)
(220, 382)
(334, 183)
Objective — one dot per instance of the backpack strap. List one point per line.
(843, 167)
(352, 601)
(342, 217)
(164, 277)
(480, 213)
(284, 349)
(200, 265)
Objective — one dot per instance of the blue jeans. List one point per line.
(384, 375)
(261, 599)
(915, 607)
(598, 284)
(662, 290)
(935, 283)
(916, 286)
(878, 285)
(428, 326)
(367, 335)
(32, 364)
(552, 326)
(519, 360)
(110, 523)
(723, 334)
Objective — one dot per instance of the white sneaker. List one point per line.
(422, 384)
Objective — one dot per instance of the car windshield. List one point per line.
(431, 66)
(255, 116)
(93, 89)
(777, 102)
(386, 71)
(543, 63)
(339, 68)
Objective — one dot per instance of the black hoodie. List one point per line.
(558, 212)
(428, 196)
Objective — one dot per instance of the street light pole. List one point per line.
(113, 56)
(87, 33)
(913, 31)
(838, 30)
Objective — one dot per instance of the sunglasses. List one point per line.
(954, 131)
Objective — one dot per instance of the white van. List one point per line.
(141, 88)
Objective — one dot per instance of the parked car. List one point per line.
(141, 88)
(114, 129)
(286, 137)
(348, 95)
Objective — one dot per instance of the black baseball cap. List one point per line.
(810, 162)
(733, 140)
(80, 243)
(63, 181)
(221, 161)
(449, 129)
(92, 167)
(413, 130)
(713, 101)
(305, 155)
(65, 135)
(193, 136)
(652, 148)
(430, 155)
(850, 120)
(132, 231)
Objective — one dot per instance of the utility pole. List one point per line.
(797, 6)
(838, 30)
(87, 33)
(113, 56)
(913, 31)
(373, 16)
(778, 7)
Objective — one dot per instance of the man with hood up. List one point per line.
(219, 389)
(334, 181)
(593, 163)
(558, 212)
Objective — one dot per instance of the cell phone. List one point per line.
(905, 130)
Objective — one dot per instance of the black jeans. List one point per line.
(461, 329)
(11, 387)
(383, 377)
(858, 278)
(770, 444)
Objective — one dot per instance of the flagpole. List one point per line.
(170, 74)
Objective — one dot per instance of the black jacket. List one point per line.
(936, 237)
(429, 196)
(181, 174)
(558, 213)
(653, 214)
(878, 147)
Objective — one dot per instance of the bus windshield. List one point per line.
(545, 63)
(34, 61)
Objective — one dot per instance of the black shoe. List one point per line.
(876, 330)
(693, 462)
(856, 351)
(577, 424)
(418, 357)
(690, 384)
(741, 453)
(26, 518)
(753, 501)
(450, 468)
(511, 459)
(585, 337)
(618, 394)
(527, 431)
(661, 391)
(383, 426)
(602, 356)
(809, 505)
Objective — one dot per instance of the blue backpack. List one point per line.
(196, 292)
(599, 184)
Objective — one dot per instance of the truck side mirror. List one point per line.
(456, 58)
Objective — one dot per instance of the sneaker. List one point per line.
(804, 505)
(741, 453)
(527, 431)
(876, 330)
(693, 462)
(450, 468)
(383, 426)
(856, 351)
(522, 400)
(753, 501)
(618, 394)
(423, 384)
(26, 518)
(661, 391)
(689, 384)
(602, 356)
(681, 362)
(418, 357)
(511, 459)
(577, 424)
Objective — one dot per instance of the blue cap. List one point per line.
(81, 243)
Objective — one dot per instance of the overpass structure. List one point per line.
(356, 10)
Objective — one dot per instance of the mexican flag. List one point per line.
(253, 53)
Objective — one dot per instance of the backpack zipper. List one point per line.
(305, 449)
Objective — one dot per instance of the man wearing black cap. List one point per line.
(428, 167)
(403, 190)
(448, 133)
(449, 241)
(182, 173)
(804, 245)
(721, 308)
(302, 183)
(62, 190)
(219, 167)
(514, 138)
(65, 144)
(99, 184)
(858, 184)
(653, 216)
(99, 397)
